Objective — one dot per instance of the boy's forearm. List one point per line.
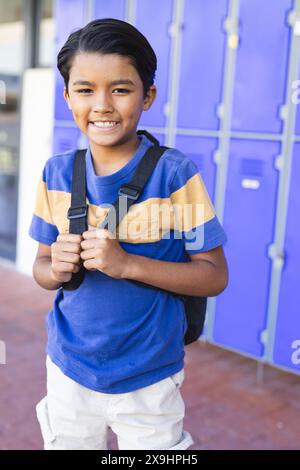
(201, 278)
(42, 274)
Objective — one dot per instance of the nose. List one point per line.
(102, 103)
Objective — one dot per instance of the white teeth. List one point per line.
(105, 124)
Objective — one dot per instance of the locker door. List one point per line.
(261, 65)
(201, 151)
(154, 25)
(65, 138)
(288, 317)
(201, 65)
(111, 9)
(297, 98)
(69, 16)
(249, 218)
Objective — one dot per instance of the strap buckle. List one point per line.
(130, 191)
(77, 212)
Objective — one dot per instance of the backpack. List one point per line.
(195, 307)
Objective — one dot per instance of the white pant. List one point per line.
(74, 417)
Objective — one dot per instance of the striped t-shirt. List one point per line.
(112, 335)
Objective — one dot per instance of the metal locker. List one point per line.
(69, 16)
(287, 333)
(297, 99)
(154, 25)
(261, 64)
(298, 120)
(65, 138)
(201, 151)
(159, 137)
(111, 9)
(249, 217)
(201, 64)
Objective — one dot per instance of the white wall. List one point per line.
(35, 148)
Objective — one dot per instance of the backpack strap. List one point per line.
(149, 136)
(130, 192)
(77, 213)
(127, 195)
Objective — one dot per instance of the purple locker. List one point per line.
(261, 65)
(69, 16)
(160, 137)
(249, 219)
(201, 151)
(111, 9)
(201, 66)
(288, 318)
(297, 98)
(61, 110)
(65, 138)
(154, 25)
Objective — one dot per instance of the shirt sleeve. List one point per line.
(195, 220)
(42, 227)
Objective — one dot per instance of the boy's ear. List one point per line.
(150, 97)
(67, 98)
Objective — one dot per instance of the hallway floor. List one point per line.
(231, 403)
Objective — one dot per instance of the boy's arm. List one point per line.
(41, 269)
(206, 275)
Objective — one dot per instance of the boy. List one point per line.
(115, 355)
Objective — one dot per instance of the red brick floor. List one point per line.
(227, 407)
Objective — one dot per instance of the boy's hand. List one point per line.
(65, 256)
(100, 250)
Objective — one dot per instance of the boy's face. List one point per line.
(106, 90)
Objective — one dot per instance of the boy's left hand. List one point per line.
(101, 251)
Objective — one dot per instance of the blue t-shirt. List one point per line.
(112, 335)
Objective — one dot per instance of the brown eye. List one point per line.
(84, 90)
(122, 90)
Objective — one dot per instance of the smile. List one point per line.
(105, 125)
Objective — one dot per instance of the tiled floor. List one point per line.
(227, 407)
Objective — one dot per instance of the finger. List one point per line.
(87, 244)
(93, 243)
(91, 265)
(64, 267)
(89, 254)
(69, 237)
(88, 234)
(103, 233)
(67, 257)
(68, 247)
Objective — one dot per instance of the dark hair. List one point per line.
(110, 36)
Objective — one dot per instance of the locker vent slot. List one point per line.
(251, 167)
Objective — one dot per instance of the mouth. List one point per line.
(105, 126)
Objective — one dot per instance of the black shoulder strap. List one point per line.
(128, 194)
(77, 213)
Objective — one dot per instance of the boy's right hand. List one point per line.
(65, 256)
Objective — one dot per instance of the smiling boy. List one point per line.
(115, 355)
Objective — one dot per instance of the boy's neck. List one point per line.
(108, 160)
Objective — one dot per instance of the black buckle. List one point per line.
(132, 192)
(77, 212)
